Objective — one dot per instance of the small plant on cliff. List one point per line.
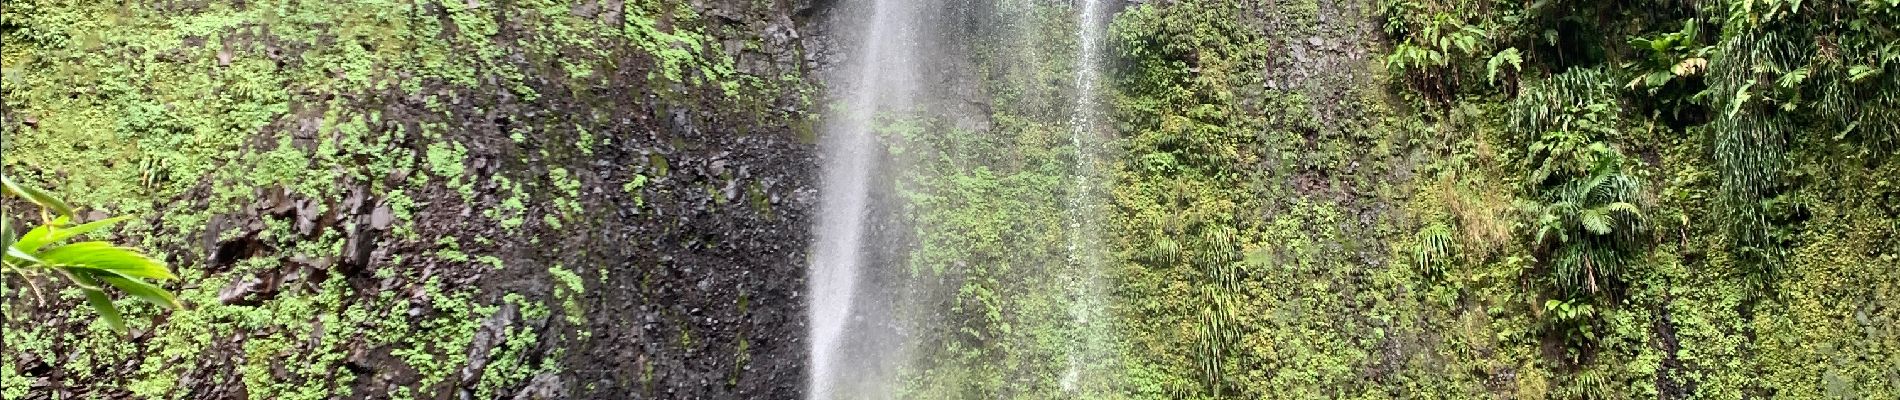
(1433, 50)
(1434, 249)
(1586, 220)
(92, 266)
(1584, 224)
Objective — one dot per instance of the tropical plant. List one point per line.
(1436, 48)
(1670, 68)
(1574, 318)
(1586, 221)
(1509, 57)
(1670, 56)
(1583, 208)
(1580, 102)
(1787, 73)
(91, 266)
(1594, 382)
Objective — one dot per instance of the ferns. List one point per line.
(1586, 224)
(1434, 248)
(1752, 135)
(1783, 74)
(1593, 383)
(1218, 251)
(1589, 224)
(1436, 50)
(1212, 251)
(1218, 335)
(1581, 101)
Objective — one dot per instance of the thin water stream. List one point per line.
(1087, 303)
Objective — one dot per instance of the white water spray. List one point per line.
(879, 80)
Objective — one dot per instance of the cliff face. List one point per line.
(522, 199)
(543, 199)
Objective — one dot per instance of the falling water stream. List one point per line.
(880, 81)
(881, 77)
(1086, 257)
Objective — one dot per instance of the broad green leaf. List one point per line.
(38, 236)
(1595, 222)
(104, 256)
(1508, 56)
(1625, 208)
(107, 311)
(15, 252)
(81, 278)
(51, 233)
(143, 291)
(36, 196)
(1861, 72)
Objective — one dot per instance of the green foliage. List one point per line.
(1670, 56)
(633, 187)
(682, 55)
(1783, 75)
(1586, 228)
(1508, 57)
(185, 113)
(569, 292)
(1241, 268)
(1434, 249)
(1439, 47)
(1670, 68)
(1438, 44)
(1580, 103)
(1733, 147)
(1718, 160)
(1574, 318)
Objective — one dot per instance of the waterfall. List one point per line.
(1087, 299)
(879, 80)
(859, 352)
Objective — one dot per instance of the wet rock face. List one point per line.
(683, 210)
(692, 247)
(699, 287)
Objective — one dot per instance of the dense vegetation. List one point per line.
(1440, 199)
(1594, 200)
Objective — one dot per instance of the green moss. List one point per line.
(634, 187)
(568, 290)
